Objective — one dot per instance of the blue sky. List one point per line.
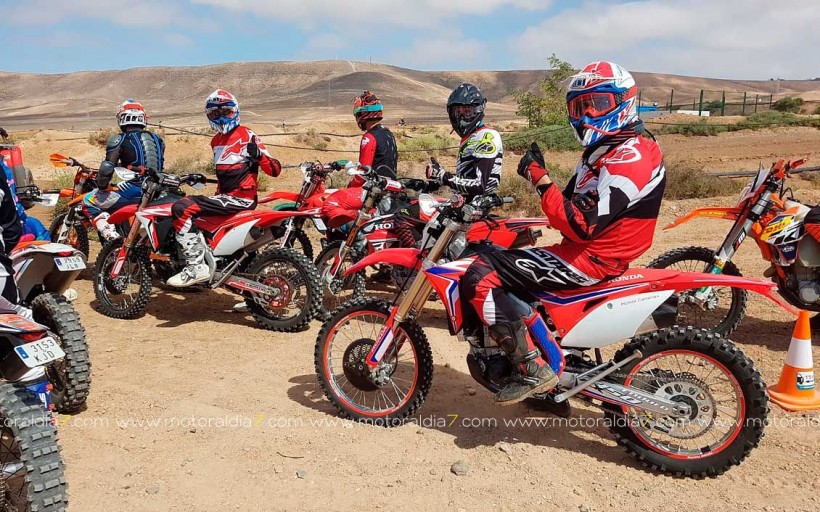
(719, 38)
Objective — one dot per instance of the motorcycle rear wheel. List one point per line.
(711, 374)
(295, 276)
(70, 376)
(724, 318)
(31, 468)
(112, 299)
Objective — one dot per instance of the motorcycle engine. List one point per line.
(808, 283)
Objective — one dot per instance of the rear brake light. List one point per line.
(31, 336)
(65, 253)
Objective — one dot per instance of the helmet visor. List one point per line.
(593, 104)
(220, 112)
(464, 112)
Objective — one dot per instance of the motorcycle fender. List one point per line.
(77, 200)
(66, 193)
(34, 265)
(711, 213)
(279, 195)
(123, 214)
(401, 256)
(690, 280)
(284, 207)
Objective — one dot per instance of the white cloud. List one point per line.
(726, 38)
(361, 13)
(442, 48)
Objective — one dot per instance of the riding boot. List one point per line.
(104, 228)
(197, 270)
(531, 373)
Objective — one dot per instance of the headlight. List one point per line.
(457, 245)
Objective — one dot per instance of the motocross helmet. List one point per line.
(222, 110)
(601, 101)
(465, 106)
(367, 107)
(131, 114)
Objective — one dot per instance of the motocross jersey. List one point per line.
(478, 167)
(134, 148)
(378, 150)
(238, 175)
(625, 183)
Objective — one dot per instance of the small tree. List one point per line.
(788, 104)
(549, 108)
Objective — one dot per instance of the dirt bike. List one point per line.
(32, 473)
(44, 271)
(73, 226)
(280, 286)
(775, 222)
(376, 228)
(681, 400)
(309, 199)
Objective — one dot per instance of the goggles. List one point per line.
(221, 112)
(593, 104)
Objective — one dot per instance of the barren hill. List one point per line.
(299, 91)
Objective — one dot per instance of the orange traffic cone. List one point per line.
(795, 390)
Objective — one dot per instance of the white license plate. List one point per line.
(70, 263)
(40, 352)
(320, 225)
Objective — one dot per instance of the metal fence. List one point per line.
(716, 103)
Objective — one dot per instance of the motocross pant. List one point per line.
(98, 201)
(9, 294)
(188, 208)
(493, 283)
(342, 207)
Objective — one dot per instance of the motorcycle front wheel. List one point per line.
(126, 295)
(723, 309)
(76, 234)
(388, 394)
(725, 393)
(341, 288)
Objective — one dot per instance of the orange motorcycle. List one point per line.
(768, 213)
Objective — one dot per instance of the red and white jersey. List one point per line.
(237, 175)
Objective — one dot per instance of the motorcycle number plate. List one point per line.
(69, 264)
(40, 352)
(320, 225)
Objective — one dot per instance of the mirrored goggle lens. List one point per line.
(216, 113)
(594, 105)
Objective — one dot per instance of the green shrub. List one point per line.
(702, 128)
(420, 147)
(526, 197)
(100, 137)
(788, 104)
(187, 164)
(688, 181)
(554, 138)
(64, 179)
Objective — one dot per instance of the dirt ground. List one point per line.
(195, 408)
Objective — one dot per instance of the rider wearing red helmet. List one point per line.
(238, 157)
(377, 150)
(606, 214)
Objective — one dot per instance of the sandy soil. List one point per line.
(195, 408)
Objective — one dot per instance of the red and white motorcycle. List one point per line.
(280, 286)
(681, 400)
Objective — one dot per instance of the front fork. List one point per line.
(128, 243)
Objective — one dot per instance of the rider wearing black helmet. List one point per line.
(478, 168)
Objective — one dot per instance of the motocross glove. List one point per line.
(532, 166)
(253, 150)
(585, 202)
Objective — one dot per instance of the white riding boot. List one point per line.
(197, 270)
(104, 228)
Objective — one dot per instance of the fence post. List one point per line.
(723, 104)
(743, 108)
(771, 98)
(700, 105)
(757, 100)
(671, 99)
(639, 104)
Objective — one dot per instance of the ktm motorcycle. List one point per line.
(32, 473)
(768, 213)
(381, 224)
(73, 226)
(280, 286)
(681, 400)
(44, 272)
